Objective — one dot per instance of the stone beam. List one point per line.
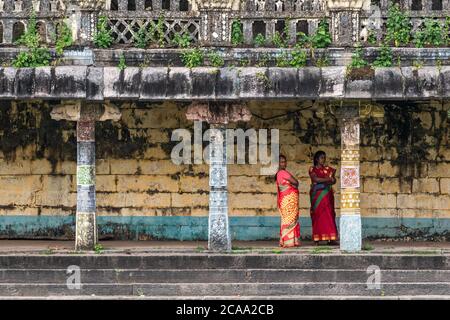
(97, 84)
(85, 115)
(218, 115)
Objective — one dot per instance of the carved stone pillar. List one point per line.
(215, 27)
(350, 220)
(218, 115)
(219, 238)
(345, 21)
(216, 19)
(85, 115)
(84, 15)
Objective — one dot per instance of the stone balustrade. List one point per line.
(210, 22)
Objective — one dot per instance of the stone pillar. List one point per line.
(215, 27)
(83, 18)
(86, 224)
(350, 220)
(345, 21)
(218, 115)
(218, 226)
(85, 115)
(216, 21)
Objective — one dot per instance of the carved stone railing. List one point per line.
(127, 17)
(374, 16)
(14, 16)
(209, 22)
(269, 17)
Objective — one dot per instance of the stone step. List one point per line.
(228, 289)
(228, 261)
(218, 275)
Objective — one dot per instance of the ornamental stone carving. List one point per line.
(348, 4)
(91, 4)
(215, 4)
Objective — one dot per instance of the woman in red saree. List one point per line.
(287, 187)
(322, 200)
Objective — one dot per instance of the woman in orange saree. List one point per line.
(287, 187)
(322, 200)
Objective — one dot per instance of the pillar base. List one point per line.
(219, 238)
(350, 232)
(219, 235)
(86, 231)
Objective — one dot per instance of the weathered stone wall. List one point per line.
(405, 161)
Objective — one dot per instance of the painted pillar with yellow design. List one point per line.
(350, 219)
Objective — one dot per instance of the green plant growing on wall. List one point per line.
(182, 40)
(63, 38)
(385, 57)
(237, 35)
(216, 59)
(103, 36)
(322, 37)
(432, 34)
(122, 64)
(98, 248)
(303, 40)
(447, 31)
(263, 61)
(359, 68)
(35, 56)
(438, 65)
(263, 80)
(245, 62)
(417, 64)
(372, 38)
(282, 60)
(398, 26)
(143, 38)
(358, 60)
(193, 58)
(160, 34)
(146, 63)
(322, 62)
(298, 57)
(279, 41)
(259, 40)
(367, 247)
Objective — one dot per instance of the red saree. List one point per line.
(322, 207)
(288, 207)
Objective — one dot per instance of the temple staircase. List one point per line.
(225, 276)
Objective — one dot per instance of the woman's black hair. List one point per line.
(281, 156)
(317, 155)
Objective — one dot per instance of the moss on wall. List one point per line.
(25, 124)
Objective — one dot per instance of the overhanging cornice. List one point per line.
(183, 84)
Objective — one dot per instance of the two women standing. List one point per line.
(322, 202)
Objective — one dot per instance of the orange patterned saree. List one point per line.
(288, 207)
(322, 207)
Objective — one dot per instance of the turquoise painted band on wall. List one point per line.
(196, 228)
